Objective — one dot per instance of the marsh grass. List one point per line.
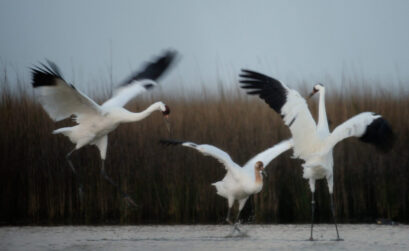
(172, 185)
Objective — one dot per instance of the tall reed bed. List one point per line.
(172, 185)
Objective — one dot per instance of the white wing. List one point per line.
(124, 94)
(288, 103)
(59, 99)
(140, 81)
(268, 155)
(368, 127)
(206, 150)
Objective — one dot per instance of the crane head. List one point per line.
(165, 112)
(316, 89)
(259, 166)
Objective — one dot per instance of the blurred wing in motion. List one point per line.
(58, 98)
(269, 154)
(153, 70)
(141, 80)
(368, 127)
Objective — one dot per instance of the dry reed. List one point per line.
(172, 185)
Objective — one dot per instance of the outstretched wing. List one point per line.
(58, 98)
(269, 154)
(286, 102)
(368, 127)
(152, 70)
(141, 80)
(206, 150)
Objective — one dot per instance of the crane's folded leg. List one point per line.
(333, 216)
(124, 195)
(80, 186)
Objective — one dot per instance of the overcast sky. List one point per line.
(291, 40)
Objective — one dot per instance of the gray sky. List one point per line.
(291, 40)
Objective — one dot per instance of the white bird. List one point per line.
(94, 122)
(313, 142)
(239, 182)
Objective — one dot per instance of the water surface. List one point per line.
(204, 237)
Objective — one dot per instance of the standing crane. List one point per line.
(313, 142)
(239, 182)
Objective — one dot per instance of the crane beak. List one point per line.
(167, 122)
(312, 93)
(264, 173)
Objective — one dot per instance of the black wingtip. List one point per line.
(163, 64)
(246, 73)
(45, 75)
(170, 55)
(155, 69)
(267, 88)
(171, 142)
(380, 134)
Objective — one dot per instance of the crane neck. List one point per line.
(322, 114)
(137, 116)
(259, 178)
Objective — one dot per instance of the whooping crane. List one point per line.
(313, 142)
(239, 182)
(94, 122)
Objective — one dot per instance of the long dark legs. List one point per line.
(124, 195)
(80, 186)
(330, 188)
(236, 224)
(67, 157)
(238, 216)
(242, 202)
(312, 214)
(230, 202)
(228, 216)
(333, 216)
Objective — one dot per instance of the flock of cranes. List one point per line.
(312, 142)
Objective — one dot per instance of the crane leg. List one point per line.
(124, 195)
(238, 216)
(228, 217)
(312, 215)
(333, 216)
(236, 225)
(80, 186)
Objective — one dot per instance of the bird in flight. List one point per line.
(94, 122)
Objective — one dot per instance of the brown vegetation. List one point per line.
(172, 185)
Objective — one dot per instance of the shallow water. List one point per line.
(204, 237)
